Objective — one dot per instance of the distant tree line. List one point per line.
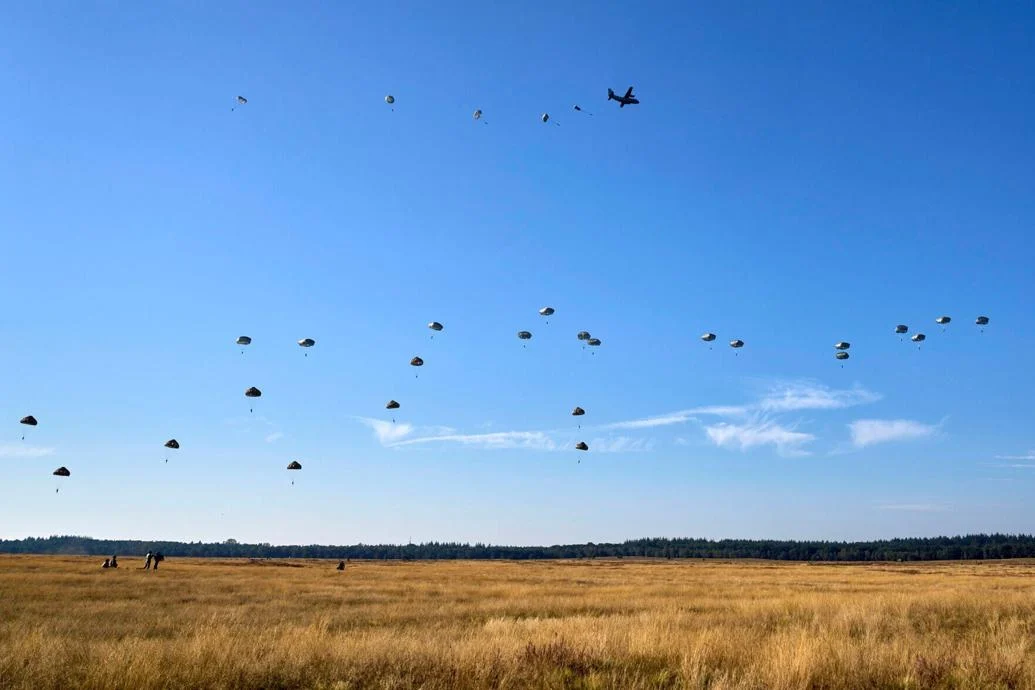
(970, 547)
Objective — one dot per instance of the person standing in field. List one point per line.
(114, 562)
(158, 559)
(147, 561)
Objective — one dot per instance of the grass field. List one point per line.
(65, 623)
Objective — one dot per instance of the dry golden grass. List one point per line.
(65, 623)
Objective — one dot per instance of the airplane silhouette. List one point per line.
(627, 99)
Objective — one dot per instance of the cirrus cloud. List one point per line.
(867, 432)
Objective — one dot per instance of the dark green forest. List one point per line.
(970, 547)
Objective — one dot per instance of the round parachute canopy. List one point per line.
(524, 335)
(172, 443)
(545, 117)
(919, 338)
(391, 405)
(253, 392)
(577, 108)
(902, 328)
(841, 354)
(584, 335)
(416, 362)
(842, 345)
(581, 445)
(435, 326)
(389, 99)
(546, 311)
(477, 115)
(943, 320)
(242, 100)
(30, 420)
(295, 465)
(708, 337)
(306, 342)
(578, 412)
(593, 342)
(62, 472)
(244, 340)
(736, 343)
(981, 321)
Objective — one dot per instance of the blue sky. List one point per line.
(795, 175)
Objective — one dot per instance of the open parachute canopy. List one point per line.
(172, 443)
(389, 99)
(435, 326)
(30, 420)
(253, 392)
(546, 311)
(918, 338)
(842, 345)
(306, 342)
(981, 321)
(244, 340)
(902, 328)
(242, 100)
(524, 335)
(593, 342)
(942, 320)
(416, 362)
(295, 465)
(736, 344)
(581, 445)
(545, 117)
(707, 337)
(477, 115)
(391, 405)
(841, 354)
(584, 335)
(62, 472)
(577, 412)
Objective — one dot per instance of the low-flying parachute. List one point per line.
(593, 342)
(524, 335)
(307, 343)
(581, 445)
(171, 443)
(918, 338)
(841, 354)
(901, 328)
(547, 311)
(390, 100)
(240, 100)
(391, 405)
(243, 341)
(708, 337)
(435, 326)
(294, 465)
(981, 321)
(736, 344)
(477, 115)
(28, 421)
(842, 345)
(416, 362)
(253, 392)
(578, 109)
(61, 472)
(943, 320)
(578, 412)
(584, 335)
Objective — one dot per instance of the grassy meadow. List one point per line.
(66, 623)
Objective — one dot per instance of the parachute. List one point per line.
(306, 342)
(584, 335)
(253, 392)
(841, 354)
(545, 117)
(578, 412)
(593, 342)
(578, 109)
(240, 100)
(918, 338)
(416, 362)
(943, 320)
(294, 465)
(29, 420)
(581, 445)
(524, 335)
(62, 472)
(547, 311)
(981, 321)
(243, 340)
(736, 344)
(708, 337)
(392, 405)
(842, 346)
(435, 326)
(901, 328)
(172, 443)
(390, 99)
(477, 115)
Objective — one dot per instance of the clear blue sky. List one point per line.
(797, 174)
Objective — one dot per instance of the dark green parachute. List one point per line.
(29, 420)
(416, 362)
(736, 344)
(842, 346)
(253, 392)
(524, 335)
(841, 354)
(172, 443)
(901, 328)
(435, 326)
(392, 405)
(62, 472)
(577, 412)
(708, 337)
(584, 335)
(294, 465)
(943, 320)
(581, 445)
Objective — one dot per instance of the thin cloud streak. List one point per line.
(387, 433)
(915, 507)
(534, 440)
(809, 396)
(867, 432)
(754, 434)
(621, 444)
(21, 450)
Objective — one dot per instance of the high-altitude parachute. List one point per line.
(435, 326)
(306, 342)
(29, 420)
(253, 392)
(584, 335)
(577, 412)
(981, 321)
(240, 100)
(842, 346)
(736, 344)
(524, 335)
(577, 108)
(943, 320)
(841, 354)
(416, 362)
(918, 338)
(477, 115)
(581, 445)
(294, 465)
(708, 337)
(392, 405)
(172, 443)
(545, 117)
(390, 99)
(593, 342)
(901, 328)
(62, 472)
(547, 311)
(243, 340)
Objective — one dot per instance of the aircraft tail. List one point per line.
(611, 95)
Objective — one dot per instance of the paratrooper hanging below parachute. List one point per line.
(524, 335)
(171, 443)
(61, 472)
(392, 405)
(294, 465)
(243, 341)
(981, 321)
(27, 421)
(435, 326)
(240, 100)
(253, 392)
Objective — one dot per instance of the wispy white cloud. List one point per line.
(535, 440)
(866, 432)
(1029, 456)
(759, 433)
(803, 395)
(681, 417)
(621, 444)
(274, 437)
(387, 433)
(915, 507)
(23, 450)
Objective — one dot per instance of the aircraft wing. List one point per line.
(629, 93)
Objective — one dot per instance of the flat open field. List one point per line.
(65, 623)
